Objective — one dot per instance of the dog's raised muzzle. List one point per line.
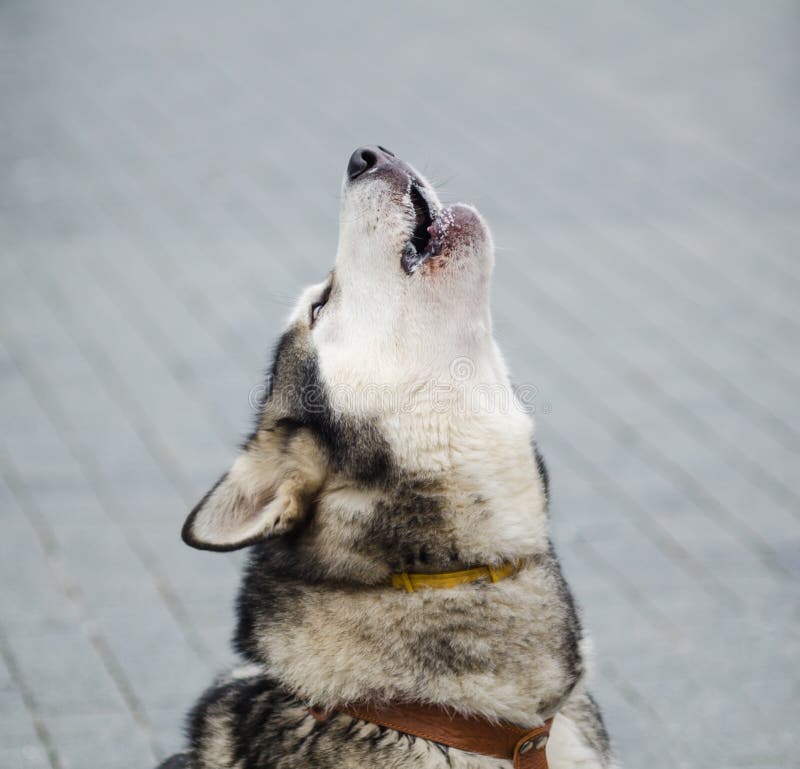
(366, 158)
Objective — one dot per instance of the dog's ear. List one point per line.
(267, 491)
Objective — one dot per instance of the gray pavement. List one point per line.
(169, 181)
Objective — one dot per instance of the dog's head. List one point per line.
(375, 380)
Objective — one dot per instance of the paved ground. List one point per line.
(169, 181)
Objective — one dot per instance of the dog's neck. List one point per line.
(508, 650)
(464, 490)
(478, 452)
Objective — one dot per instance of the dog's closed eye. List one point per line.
(316, 308)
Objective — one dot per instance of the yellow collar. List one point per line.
(448, 579)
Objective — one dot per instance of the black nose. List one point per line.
(365, 158)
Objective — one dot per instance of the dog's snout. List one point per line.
(365, 158)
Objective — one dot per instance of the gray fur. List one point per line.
(585, 713)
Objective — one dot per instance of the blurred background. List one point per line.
(170, 179)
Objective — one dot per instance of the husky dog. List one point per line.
(389, 443)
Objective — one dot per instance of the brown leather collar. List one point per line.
(525, 747)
